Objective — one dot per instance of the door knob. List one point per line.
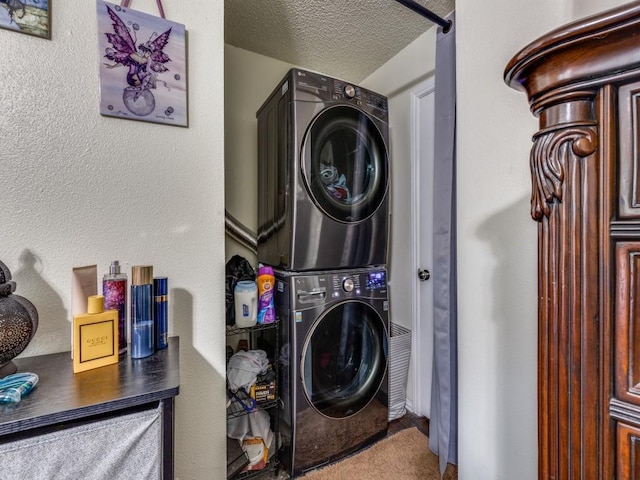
(424, 275)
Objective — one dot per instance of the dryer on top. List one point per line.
(323, 175)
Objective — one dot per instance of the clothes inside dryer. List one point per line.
(346, 164)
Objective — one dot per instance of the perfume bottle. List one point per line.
(95, 341)
(161, 318)
(142, 332)
(114, 289)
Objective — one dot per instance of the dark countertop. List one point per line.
(62, 396)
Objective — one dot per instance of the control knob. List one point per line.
(349, 91)
(347, 284)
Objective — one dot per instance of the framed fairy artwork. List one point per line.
(26, 16)
(143, 65)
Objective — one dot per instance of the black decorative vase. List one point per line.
(18, 322)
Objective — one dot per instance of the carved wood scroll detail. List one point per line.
(552, 149)
(579, 81)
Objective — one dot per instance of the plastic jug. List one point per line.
(245, 297)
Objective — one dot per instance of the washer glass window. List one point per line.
(346, 164)
(344, 359)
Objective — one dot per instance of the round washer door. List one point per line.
(344, 359)
(345, 164)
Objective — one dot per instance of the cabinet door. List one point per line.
(629, 151)
(627, 322)
(628, 457)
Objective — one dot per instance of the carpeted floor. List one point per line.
(402, 456)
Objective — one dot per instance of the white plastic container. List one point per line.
(245, 297)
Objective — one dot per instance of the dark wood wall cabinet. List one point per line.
(583, 83)
(111, 422)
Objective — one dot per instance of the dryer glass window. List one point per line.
(344, 359)
(346, 164)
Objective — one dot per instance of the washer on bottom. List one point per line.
(333, 364)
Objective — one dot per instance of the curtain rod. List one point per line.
(419, 9)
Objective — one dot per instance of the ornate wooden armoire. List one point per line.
(583, 82)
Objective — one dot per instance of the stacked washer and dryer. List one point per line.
(323, 223)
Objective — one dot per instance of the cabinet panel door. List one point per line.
(628, 457)
(627, 322)
(629, 151)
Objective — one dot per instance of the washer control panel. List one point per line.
(359, 284)
(312, 290)
(376, 280)
(346, 283)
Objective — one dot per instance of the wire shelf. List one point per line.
(239, 407)
(232, 330)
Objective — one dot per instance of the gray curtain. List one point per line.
(443, 424)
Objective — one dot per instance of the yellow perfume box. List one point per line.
(95, 336)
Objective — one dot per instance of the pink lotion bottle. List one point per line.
(114, 290)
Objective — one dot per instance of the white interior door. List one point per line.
(422, 139)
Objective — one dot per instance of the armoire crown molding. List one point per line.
(582, 81)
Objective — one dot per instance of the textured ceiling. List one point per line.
(344, 39)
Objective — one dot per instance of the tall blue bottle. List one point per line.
(142, 331)
(161, 314)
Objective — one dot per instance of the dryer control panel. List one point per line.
(311, 86)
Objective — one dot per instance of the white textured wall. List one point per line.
(417, 63)
(583, 8)
(249, 79)
(78, 189)
(497, 240)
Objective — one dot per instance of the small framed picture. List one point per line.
(26, 16)
(143, 66)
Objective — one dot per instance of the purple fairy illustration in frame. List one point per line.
(26, 16)
(142, 66)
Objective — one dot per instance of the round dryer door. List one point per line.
(345, 164)
(344, 359)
